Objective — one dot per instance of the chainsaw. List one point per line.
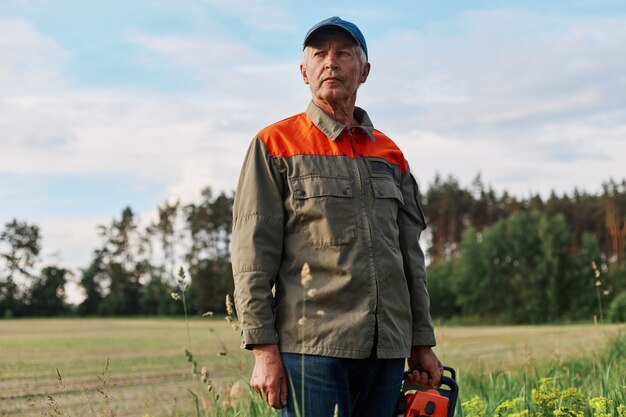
(420, 401)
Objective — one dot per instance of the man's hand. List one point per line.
(269, 378)
(425, 367)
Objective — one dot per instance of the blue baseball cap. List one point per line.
(349, 27)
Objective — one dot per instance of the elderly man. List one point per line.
(325, 189)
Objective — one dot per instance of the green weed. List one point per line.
(593, 386)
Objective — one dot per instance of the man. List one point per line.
(326, 189)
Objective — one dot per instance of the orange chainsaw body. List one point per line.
(421, 401)
(428, 403)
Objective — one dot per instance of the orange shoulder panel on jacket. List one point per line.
(387, 149)
(297, 135)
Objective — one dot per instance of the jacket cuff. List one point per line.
(258, 337)
(424, 338)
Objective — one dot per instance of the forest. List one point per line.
(492, 258)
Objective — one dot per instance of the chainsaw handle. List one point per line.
(445, 368)
(451, 370)
(445, 381)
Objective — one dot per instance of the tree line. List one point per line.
(492, 257)
(497, 258)
(134, 269)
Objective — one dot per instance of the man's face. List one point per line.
(332, 67)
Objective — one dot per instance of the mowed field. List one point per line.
(137, 367)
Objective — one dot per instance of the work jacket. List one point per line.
(343, 202)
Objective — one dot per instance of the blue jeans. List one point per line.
(359, 387)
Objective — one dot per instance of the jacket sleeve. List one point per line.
(257, 242)
(411, 223)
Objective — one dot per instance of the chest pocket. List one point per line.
(385, 179)
(387, 200)
(386, 188)
(325, 209)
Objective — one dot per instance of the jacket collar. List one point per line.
(332, 128)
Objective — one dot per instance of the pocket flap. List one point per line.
(309, 187)
(386, 188)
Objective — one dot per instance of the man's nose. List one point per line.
(331, 60)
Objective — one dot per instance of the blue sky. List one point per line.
(111, 104)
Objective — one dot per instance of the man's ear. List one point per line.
(365, 72)
(305, 78)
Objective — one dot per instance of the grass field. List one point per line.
(148, 372)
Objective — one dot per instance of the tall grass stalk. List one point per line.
(306, 281)
(196, 402)
(223, 404)
(181, 282)
(598, 284)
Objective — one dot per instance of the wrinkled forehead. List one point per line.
(329, 35)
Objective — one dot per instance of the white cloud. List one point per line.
(500, 68)
(29, 60)
(207, 57)
(70, 242)
(185, 142)
(533, 102)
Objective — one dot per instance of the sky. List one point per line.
(113, 104)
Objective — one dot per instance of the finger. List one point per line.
(283, 392)
(273, 398)
(261, 392)
(437, 376)
(424, 378)
(416, 377)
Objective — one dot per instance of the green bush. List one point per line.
(112, 304)
(617, 309)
